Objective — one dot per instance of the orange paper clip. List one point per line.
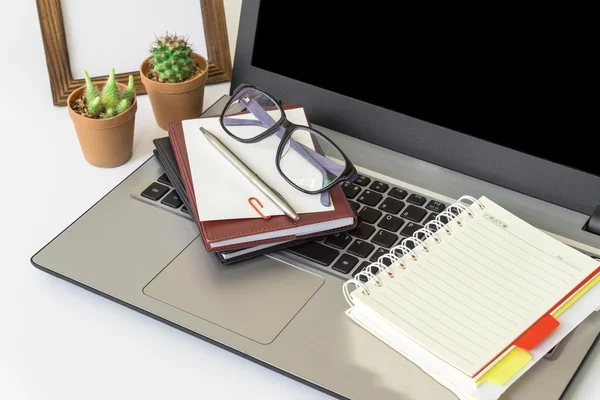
(253, 200)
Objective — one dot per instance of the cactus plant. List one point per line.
(172, 60)
(110, 102)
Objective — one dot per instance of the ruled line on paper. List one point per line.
(521, 306)
(504, 269)
(445, 314)
(554, 259)
(455, 309)
(488, 278)
(458, 301)
(505, 259)
(425, 334)
(475, 300)
(513, 254)
(438, 331)
(471, 298)
(489, 269)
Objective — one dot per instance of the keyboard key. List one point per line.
(363, 230)
(369, 198)
(444, 219)
(378, 253)
(369, 214)
(155, 191)
(339, 240)
(416, 199)
(361, 248)
(411, 245)
(392, 206)
(165, 179)
(172, 200)
(354, 205)
(316, 252)
(410, 228)
(398, 193)
(429, 218)
(435, 206)
(185, 210)
(379, 186)
(362, 266)
(362, 180)
(413, 213)
(385, 238)
(345, 263)
(350, 190)
(391, 223)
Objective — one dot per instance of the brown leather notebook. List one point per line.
(241, 233)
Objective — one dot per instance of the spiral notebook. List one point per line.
(471, 288)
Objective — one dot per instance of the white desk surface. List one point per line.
(58, 341)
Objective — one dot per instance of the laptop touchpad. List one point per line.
(255, 298)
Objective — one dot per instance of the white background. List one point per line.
(116, 33)
(58, 341)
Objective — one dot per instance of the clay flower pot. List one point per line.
(173, 102)
(105, 143)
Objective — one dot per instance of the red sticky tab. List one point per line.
(538, 332)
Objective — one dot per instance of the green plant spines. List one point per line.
(95, 107)
(110, 93)
(129, 91)
(123, 106)
(172, 60)
(90, 90)
(111, 102)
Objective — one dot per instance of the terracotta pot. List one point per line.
(105, 143)
(173, 102)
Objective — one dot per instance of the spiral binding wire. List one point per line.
(371, 271)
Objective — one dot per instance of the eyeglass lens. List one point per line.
(250, 114)
(310, 160)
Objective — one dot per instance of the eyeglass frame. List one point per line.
(348, 174)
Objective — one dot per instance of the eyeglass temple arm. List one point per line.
(265, 120)
(331, 166)
(316, 159)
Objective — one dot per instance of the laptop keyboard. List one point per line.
(161, 193)
(386, 215)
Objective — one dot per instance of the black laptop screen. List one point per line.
(508, 79)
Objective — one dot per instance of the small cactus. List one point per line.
(110, 93)
(129, 91)
(90, 92)
(123, 106)
(94, 108)
(110, 102)
(172, 60)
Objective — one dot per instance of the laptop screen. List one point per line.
(508, 78)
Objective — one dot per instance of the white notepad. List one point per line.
(470, 290)
(222, 192)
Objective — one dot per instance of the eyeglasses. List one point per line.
(305, 157)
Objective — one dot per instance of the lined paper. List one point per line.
(478, 290)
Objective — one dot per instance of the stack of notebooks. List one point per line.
(478, 300)
(219, 196)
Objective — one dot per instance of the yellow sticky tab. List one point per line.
(577, 295)
(506, 368)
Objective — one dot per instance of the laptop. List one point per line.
(421, 133)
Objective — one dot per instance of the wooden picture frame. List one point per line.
(57, 56)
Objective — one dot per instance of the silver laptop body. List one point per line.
(280, 310)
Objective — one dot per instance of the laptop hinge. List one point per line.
(593, 224)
